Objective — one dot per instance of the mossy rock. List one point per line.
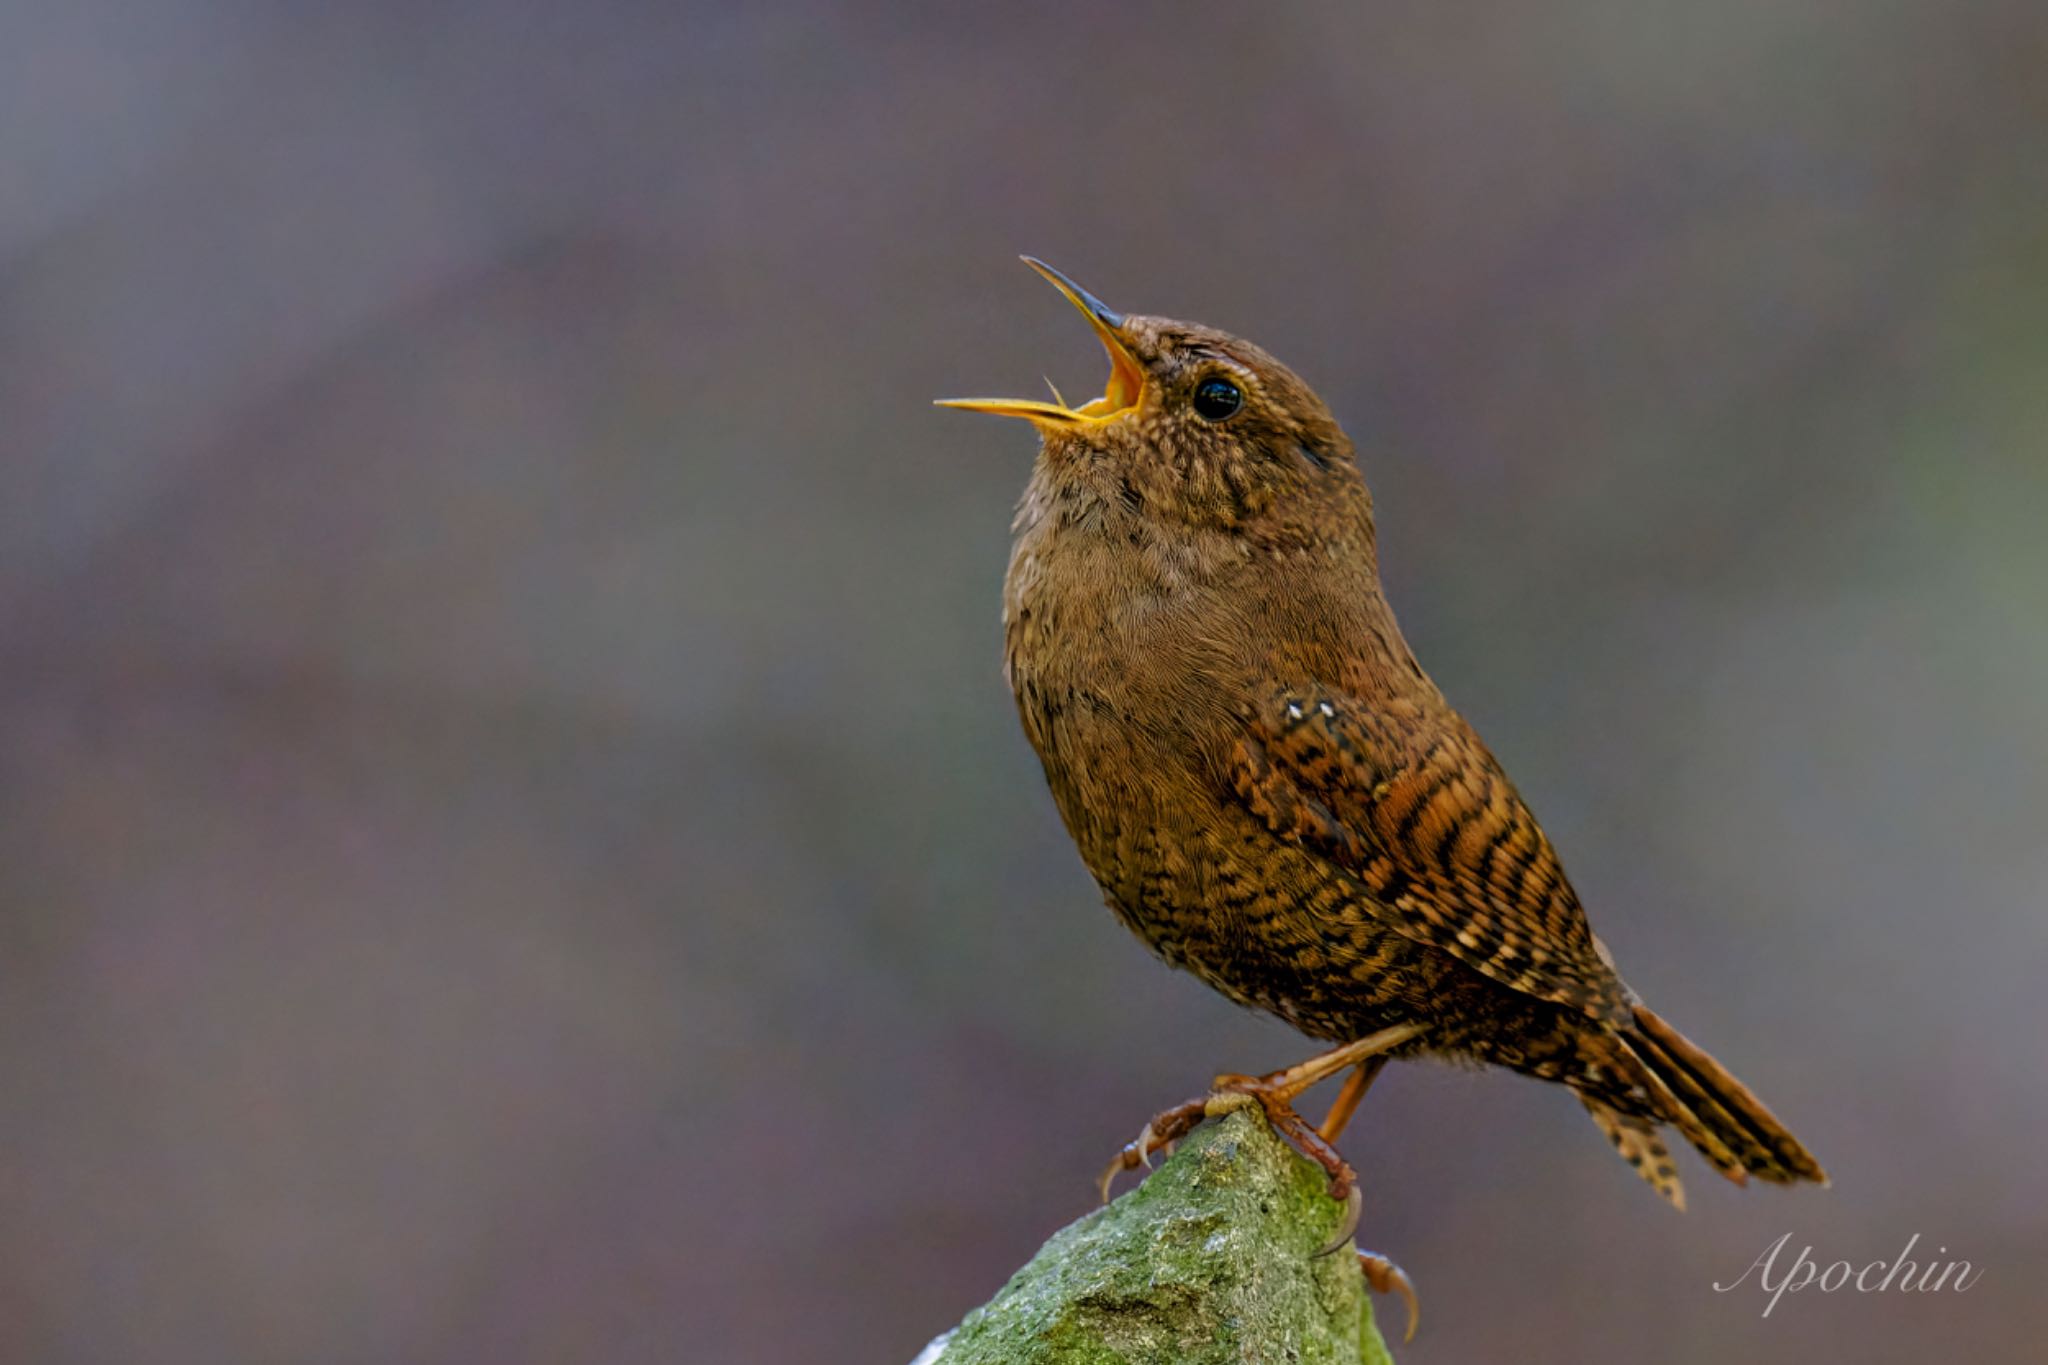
(1211, 1259)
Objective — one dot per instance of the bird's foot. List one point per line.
(1159, 1134)
(1275, 1093)
(1239, 1092)
(1387, 1278)
(1169, 1126)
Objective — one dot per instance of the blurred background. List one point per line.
(514, 845)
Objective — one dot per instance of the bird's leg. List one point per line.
(1282, 1086)
(1346, 1103)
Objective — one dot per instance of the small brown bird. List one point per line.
(1270, 790)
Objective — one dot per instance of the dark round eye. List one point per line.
(1216, 399)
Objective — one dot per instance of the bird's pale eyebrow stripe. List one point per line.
(1240, 369)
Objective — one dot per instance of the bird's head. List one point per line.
(1195, 427)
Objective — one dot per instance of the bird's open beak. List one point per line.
(1126, 376)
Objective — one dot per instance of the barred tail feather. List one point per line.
(1637, 1141)
(1712, 1102)
(1653, 1075)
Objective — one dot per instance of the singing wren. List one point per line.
(1271, 791)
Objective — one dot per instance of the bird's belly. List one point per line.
(1272, 927)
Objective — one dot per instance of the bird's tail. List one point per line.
(1693, 1093)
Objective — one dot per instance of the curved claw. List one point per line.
(1137, 1152)
(1385, 1277)
(1354, 1205)
(1109, 1175)
(1158, 1135)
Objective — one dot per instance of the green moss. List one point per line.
(1211, 1259)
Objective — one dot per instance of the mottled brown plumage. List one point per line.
(1269, 789)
